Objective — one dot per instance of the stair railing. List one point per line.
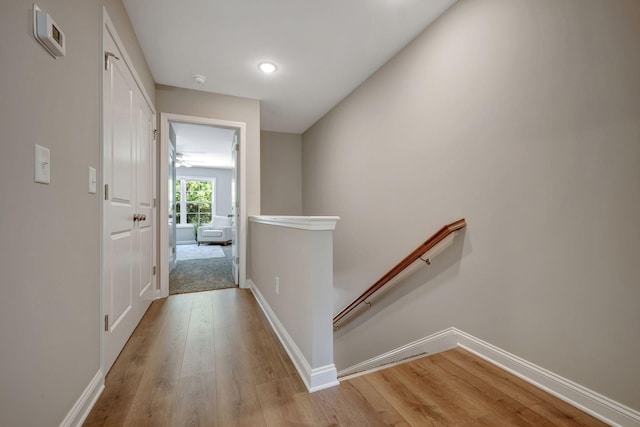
(422, 255)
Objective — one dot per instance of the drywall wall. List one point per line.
(50, 263)
(294, 285)
(521, 116)
(281, 173)
(223, 185)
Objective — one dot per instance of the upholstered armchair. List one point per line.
(219, 230)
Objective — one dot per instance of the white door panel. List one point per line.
(145, 148)
(172, 206)
(144, 197)
(235, 211)
(121, 143)
(146, 250)
(171, 197)
(121, 276)
(128, 207)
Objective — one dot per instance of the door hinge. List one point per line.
(106, 323)
(108, 55)
(154, 270)
(106, 191)
(236, 147)
(154, 203)
(155, 132)
(237, 260)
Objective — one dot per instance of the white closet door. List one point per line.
(128, 203)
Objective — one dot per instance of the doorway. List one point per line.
(202, 218)
(202, 178)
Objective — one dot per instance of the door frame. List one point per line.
(241, 224)
(107, 25)
(172, 259)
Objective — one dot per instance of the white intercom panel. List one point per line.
(48, 33)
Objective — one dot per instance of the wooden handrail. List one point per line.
(429, 244)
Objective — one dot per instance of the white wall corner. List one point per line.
(80, 410)
(323, 377)
(314, 379)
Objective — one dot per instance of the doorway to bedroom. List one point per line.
(202, 216)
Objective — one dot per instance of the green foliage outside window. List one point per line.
(197, 201)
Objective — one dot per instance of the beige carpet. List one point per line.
(185, 252)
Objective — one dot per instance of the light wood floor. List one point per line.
(211, 359)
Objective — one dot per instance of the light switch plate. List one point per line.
(42, 166)
(92, 180)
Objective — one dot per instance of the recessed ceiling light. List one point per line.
(199, 78)
(267, 67)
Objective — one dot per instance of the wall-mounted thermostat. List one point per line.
(48, 33)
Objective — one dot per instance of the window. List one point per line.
(194, 200)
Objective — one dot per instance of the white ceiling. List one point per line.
(324, 49)
(204, 146)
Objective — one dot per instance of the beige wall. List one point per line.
(303, 264)
(521, 116)
(281, 173)
(50, 262)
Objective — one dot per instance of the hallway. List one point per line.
(195, 359)
(211, 359)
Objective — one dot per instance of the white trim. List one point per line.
(242, 223)
(106, 21)
(435, 343)
(314, 379)
(323, 377)
(301, 222)
(80, 410)
(589, 401)
(154, 178)
(380, 368)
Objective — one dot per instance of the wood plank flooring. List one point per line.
(211, 359)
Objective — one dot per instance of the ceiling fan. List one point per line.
(180, 161)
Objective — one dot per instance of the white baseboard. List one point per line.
(314, 379)
(379, 368)
(440, 341)
(80, 410)
(595, 404)
(601, 407)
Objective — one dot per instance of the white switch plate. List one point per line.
(42, 165)
(92, 180)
